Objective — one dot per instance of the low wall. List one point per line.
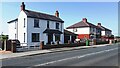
(102, 42)
(63, 45)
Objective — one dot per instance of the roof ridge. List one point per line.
(105, 28)
(12, 20)
(36, 14)
(41, 12)
(91, 23)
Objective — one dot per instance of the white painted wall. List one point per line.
(12, 30)
(29, 29)
(103, 33)
(106, 33)
(84, 30)
(62, 30)
(43, 27)
(21, 28)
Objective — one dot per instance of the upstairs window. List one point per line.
(24, 22)
(57, 25)
(75, 30)
(36, 23)
(47, 24)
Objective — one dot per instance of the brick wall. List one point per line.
(83, 36)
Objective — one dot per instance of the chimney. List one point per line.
(57, 13)
(22, 6)
(99, 24)
(84, 20)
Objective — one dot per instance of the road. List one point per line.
(99, 56)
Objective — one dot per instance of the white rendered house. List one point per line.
(32, 27)
(104, 31)
(84, 29)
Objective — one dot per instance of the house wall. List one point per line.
(43, 27)
(31, 29)
(103, 33)
(98, 31)
(83, 36)
(84, 30)
(62, 30)
(93, 31)
(108, 33)
(22, 29)
(12, 27)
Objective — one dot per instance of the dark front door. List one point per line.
(50, 38)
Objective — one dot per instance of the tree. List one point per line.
(3, 37)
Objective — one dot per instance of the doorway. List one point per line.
(50, 38)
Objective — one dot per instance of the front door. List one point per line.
(50, 38)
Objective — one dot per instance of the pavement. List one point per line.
(6, 55)
(5, 52)
(101, 55)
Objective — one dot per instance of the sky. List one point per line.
(105, 13)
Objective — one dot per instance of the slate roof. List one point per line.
(39, 15)
(13, 20)
(34, 14)
(81, 24)
(66, 32)
(104, 29)
(52, 31)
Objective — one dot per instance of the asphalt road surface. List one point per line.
(99, 56)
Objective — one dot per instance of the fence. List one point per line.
(28, 47)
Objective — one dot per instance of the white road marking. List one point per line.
(51, 62)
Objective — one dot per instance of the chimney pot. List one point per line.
(57, 13)
(22, 6)
(84, 20)
(99, 24)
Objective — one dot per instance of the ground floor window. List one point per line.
(35, 37)
(57, 37)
